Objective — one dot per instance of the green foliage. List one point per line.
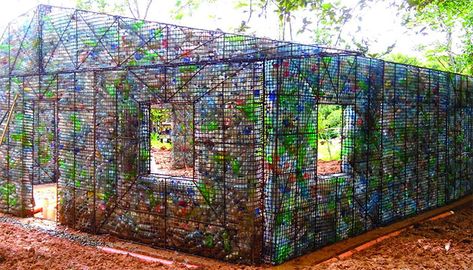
(8, 194)
(452, 19)
(324, 18)
(329, 123)
(185, 8)
(404, 59)
(157, 117)
(102, 5)
(157, 144)
(329, 150)
(138, 8)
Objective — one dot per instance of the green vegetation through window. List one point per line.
(329, 130)
(171, 139)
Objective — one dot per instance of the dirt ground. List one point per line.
(440, 244)
(162, 164)
(31, 249)
(328, 167)
(34, 244)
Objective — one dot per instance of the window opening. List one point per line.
(333, 129)
(171, 139)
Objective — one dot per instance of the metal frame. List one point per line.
(255, 195)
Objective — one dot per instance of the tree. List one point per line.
(453, 19)
(100, 6)
(137, 8)
(404, 59)
(186, 7)
(325, 18)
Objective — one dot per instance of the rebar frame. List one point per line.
(87, 81)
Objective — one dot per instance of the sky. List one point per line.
(379, 23)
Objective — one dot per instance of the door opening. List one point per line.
(45, 160)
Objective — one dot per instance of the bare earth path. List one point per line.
(422, 247)
(33, 244)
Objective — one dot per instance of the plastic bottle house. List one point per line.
(207, 142)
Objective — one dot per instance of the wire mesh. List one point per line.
(245, 120)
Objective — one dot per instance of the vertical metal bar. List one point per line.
(94, 160)
(74, 167)
(406, 89)
(264, 137)
(381, 178)
(366, 134)
(316, 177)
(56, 145)
(40, 40)
(140, 137)
(38, 143)
(116, 134)
(33, 153)
(467, 130)
(394, 174)
(149, 126)
(118, 20)
(275, 196)
(23, 155)
(343, 132)
(417, 139)
(194, 150)
(258, 167)
(298, 173)
(76, 35)
(166, 212)
(454, 137)
(166, 84)
(337, 91)
(167, 47)
(225, 157)
(430, 138)
(40, 71)
(7, 130)
(337, 197)
(457, 108)
(437, 167)
(447, 128)
(353, 154)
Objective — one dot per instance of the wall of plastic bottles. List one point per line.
(86, 82)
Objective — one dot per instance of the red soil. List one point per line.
(30, 249)
(437, 244)
(421, 247)
(163, 165)
(328, 167)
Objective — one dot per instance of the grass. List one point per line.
(157, 144)
(329, 150)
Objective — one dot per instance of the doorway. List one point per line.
(45, 161)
